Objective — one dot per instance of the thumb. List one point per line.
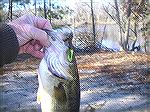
(38, 34)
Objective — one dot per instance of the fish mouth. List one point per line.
(59, 60)
(61, 73)
(58, 75)
(58, 66)
(59, 55)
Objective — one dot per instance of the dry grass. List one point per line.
(113, 63)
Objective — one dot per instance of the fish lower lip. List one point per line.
(57, 75)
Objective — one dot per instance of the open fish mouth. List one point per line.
(59, 54)
(56, 67)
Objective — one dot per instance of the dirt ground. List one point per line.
(109, 82)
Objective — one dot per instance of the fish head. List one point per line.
(59, 55)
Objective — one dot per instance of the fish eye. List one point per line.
(66, 39)
(66, 42)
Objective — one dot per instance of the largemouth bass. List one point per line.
(59, 88)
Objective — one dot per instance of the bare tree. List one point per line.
(10, 10)
(35, 9)
(104, 31)
(127, 29)
(93, 23)
(119, 21)
(1, 11)
(45, 11)
(50, 9)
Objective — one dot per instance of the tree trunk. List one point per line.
(35, 13)
(126, 44)
(1, 12)
(129, 8)
(93, 23)
(135, 40)
(118, 19)
(45, 14)
(50, 6)
(127, 31)
(10, 10)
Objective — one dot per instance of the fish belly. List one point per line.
(56, 94)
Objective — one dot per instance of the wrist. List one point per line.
(9, 45)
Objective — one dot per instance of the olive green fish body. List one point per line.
(59, 87)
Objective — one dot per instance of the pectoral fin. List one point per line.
(59, 93)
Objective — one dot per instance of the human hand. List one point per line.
(30, 35)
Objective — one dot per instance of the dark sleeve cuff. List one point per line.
(9, 46)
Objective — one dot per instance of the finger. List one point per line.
(34, 42)
(36, 53)
(36, 21)
(40, 22)
(38, 47)
(43, 23)
(37, 34)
